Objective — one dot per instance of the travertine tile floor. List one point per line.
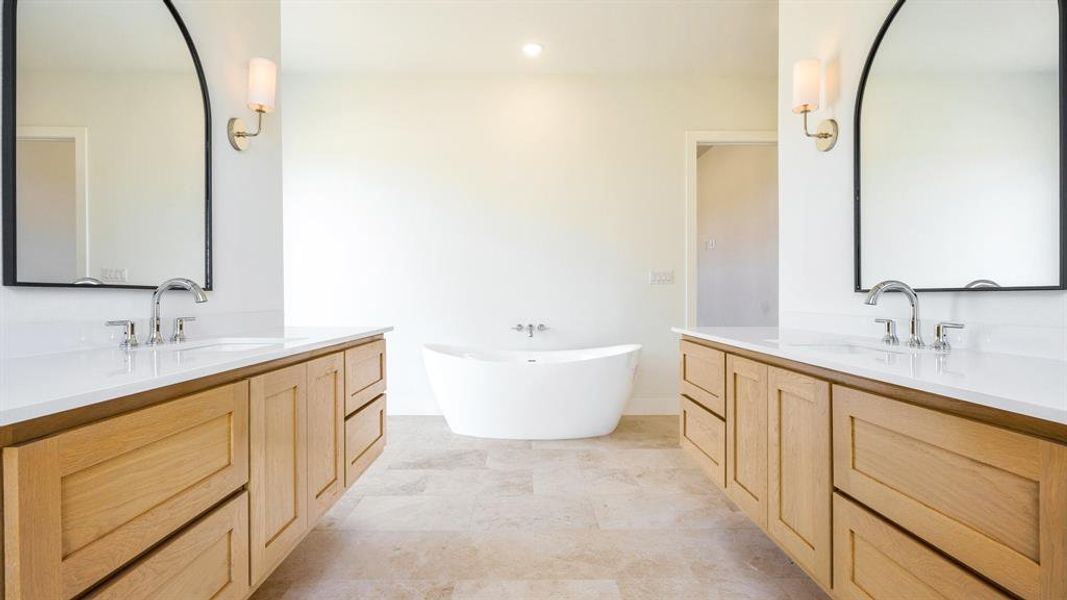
(624, 516)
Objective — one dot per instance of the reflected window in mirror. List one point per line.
(958, 154)
(106, 149)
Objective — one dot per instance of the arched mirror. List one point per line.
(106, 150)
(959, 148)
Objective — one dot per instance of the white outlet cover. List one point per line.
(661, 278)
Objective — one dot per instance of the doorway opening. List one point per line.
(732, 229)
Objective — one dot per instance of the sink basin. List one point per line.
(841, 347)
(231, 344)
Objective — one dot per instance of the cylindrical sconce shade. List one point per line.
(262, 82)
(806, 79)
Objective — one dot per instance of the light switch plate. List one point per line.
(114, 275)
(661, 278)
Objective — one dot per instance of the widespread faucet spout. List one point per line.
(155, 335)
(893, 285)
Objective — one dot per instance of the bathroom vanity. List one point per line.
(181, 471)
(886, 472)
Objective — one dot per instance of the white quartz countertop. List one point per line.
(35, 386)
(1035, 387)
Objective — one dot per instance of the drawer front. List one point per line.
(364, 439)
(364, 375)
(746, 436)
(326, 433)
(874, 560)
(993, 499)
(704, 435)
(80, 504)
(703, 376)
(799, 483)
(206, 561)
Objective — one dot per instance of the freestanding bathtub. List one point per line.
(536, 395)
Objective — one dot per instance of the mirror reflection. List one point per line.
(110, 149)
(959, 148)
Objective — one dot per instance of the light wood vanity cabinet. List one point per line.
(195, 497)
(879, 498)
(746, 436)
(702, 381)
(277, 482)
(82, 503)
(799, 481)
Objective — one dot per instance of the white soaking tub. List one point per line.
(532, 395)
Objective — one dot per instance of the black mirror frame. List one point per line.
(7, 149)
(1063, 161)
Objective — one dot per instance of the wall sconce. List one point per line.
(262, 82)
(807, 77)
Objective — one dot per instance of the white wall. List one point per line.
(246, 216)
(816, 267)
(455, 208)
(737, 209)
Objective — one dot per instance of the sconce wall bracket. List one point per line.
(238, 134)
(825, 135)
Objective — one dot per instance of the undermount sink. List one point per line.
(235, 344)
(841, 347)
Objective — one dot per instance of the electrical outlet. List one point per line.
(661, 278)
(709, 244)
(114, 275)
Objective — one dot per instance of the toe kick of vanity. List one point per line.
(197, 495)
(879, 492)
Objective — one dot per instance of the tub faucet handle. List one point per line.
(519, 327)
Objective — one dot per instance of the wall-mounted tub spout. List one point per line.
(530, 328)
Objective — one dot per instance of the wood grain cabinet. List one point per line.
(703, 376)
(206, 561)
(277, 482)
(746, 436)
(364, 438)
(364, 375)
(80, 504)
(993, 499)
(873, 560)
(704, 435)
(326, 433)
(799, 482)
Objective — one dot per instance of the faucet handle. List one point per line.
(941, 343)
(519, 327)
(179, 329)
(890, 338)
(129, 332)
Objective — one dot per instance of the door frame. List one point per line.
(693, 141)
(79, 136)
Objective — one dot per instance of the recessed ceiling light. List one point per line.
(532, 49)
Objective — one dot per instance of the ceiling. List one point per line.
(484, 37)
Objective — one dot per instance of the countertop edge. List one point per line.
(992, 401)
(100, 395)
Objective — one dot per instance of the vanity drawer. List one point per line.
(993, 499)
(364, 438)
(704, 435)
(703, 376)
(873, 560)
(364, 374)
(80, 504)
(206, 561)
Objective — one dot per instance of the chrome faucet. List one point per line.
(155, 336)
(529, 328)
(892, 285)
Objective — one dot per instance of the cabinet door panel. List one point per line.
(364, 439)
(364, 374)
(873, 560)
(326, 423)
(206, 561)
(993, 499)
(278, 468)
(799, 486)
(80, 504)
(746, 436)
(704, 435)
(702, 372)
